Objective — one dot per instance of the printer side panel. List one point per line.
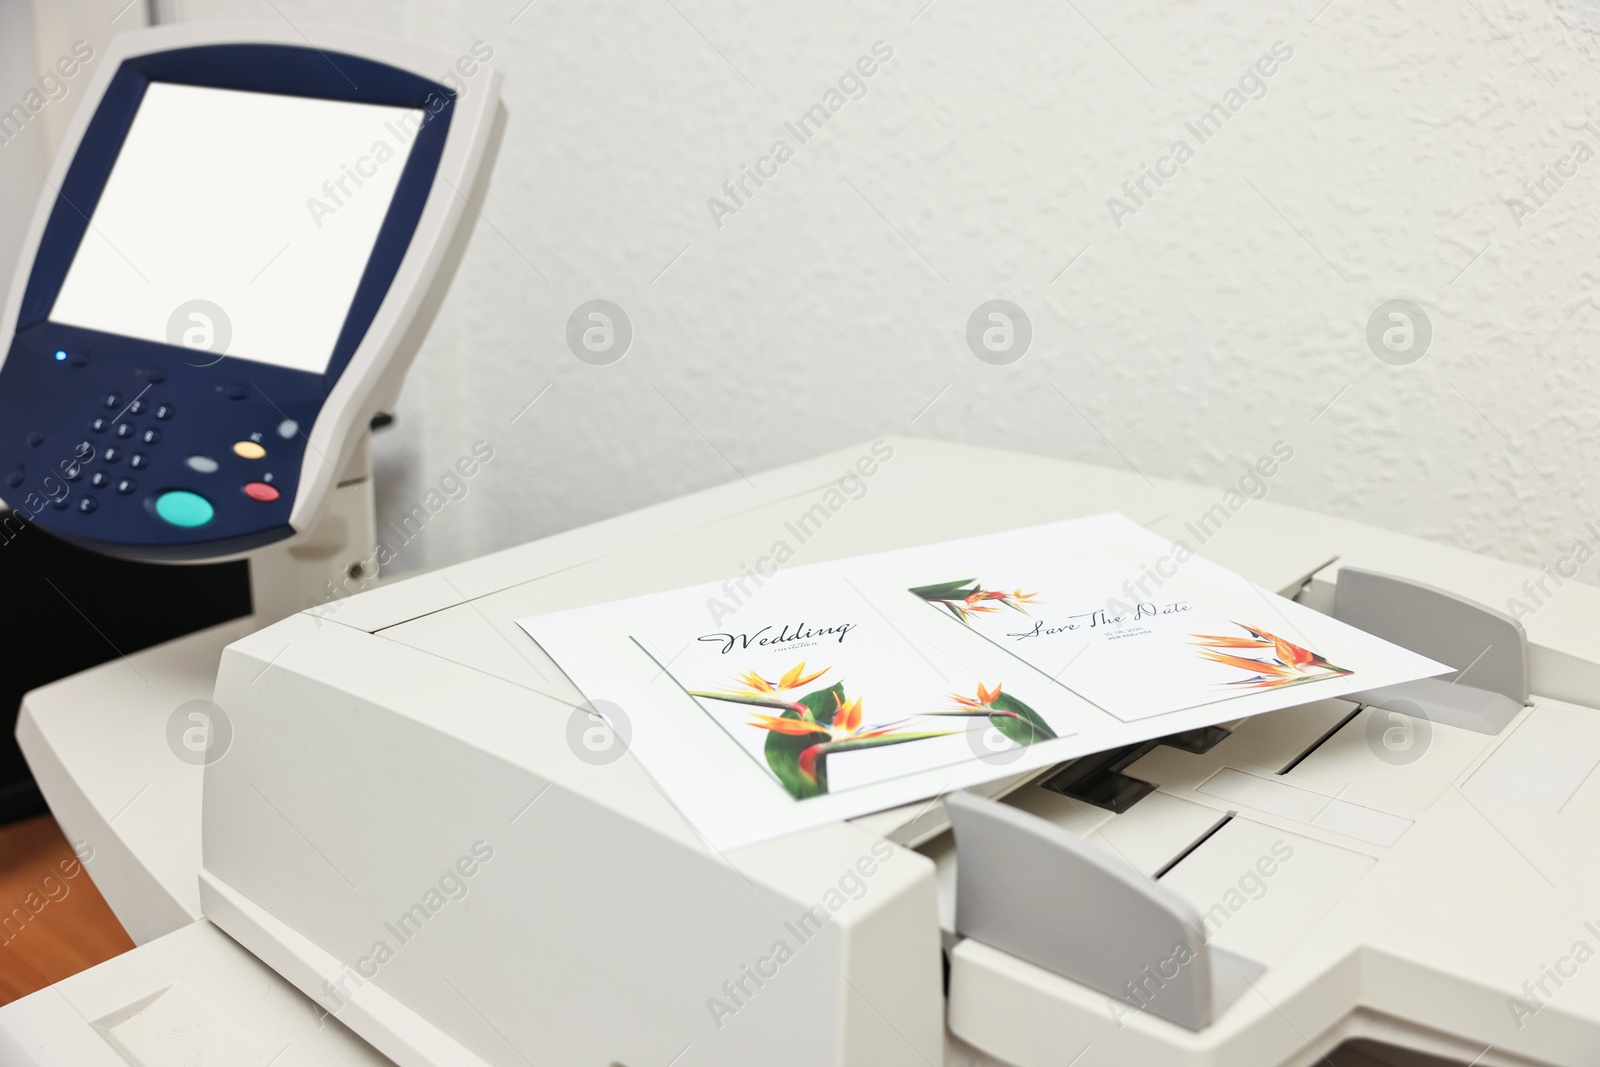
(415, 845)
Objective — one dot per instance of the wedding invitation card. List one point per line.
(844, 688)
(828, 703)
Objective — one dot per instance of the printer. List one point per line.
(387, 829)
(415, 851)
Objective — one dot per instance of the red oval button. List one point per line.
(260, 491)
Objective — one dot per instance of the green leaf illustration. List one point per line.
(783, 751)
(958, 590)
(1027, 728)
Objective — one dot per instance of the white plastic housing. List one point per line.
(593, 927)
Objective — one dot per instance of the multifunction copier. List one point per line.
(413, 850)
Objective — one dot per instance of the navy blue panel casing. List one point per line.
(80, 407)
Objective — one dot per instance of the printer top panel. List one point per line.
(906, 503)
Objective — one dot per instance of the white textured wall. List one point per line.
(34, 36)
(1225, 314)
(22, 158)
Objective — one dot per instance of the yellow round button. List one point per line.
(248, 449)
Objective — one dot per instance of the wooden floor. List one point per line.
(53, 921)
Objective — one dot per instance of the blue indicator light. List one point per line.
(60, 356)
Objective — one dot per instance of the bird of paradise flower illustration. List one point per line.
(810, 728)
(1005, 712)
(1286, 663)
(965, 598)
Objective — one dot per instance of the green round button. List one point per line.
(183, 508)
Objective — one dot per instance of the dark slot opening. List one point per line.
(1196, 843)
(1098, 779)
(1319, 742)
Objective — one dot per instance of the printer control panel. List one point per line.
(171, 345)
(112, 442)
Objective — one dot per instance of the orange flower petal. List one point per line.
(755, 682)
(812, 677)
(1292, 654)
(1247, 664)
(846, 715)
(1288, 666)
(1230, 642)
(790, 727)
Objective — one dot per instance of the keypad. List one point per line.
(143, 421)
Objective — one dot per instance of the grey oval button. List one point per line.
(288, 428)
(203, 464)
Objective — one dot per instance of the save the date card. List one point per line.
(1139, 652)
